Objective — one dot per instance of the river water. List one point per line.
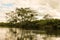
(18, 34)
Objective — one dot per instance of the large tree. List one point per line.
(21, 14)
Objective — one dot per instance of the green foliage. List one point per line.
(21, 14)
(50, 26)
(25, 18)
(28, 25)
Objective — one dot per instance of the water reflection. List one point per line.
(19, 34)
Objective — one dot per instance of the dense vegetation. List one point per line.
(25, 18)
(51, 26)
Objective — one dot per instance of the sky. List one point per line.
(44, 7)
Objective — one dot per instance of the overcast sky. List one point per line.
(51, 7)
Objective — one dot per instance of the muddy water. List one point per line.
(18, 34)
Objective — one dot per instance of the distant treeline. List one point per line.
(51, 26)
(38, 24)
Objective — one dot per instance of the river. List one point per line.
(18, 34)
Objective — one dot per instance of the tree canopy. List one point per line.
(21, 14)
(24, 18)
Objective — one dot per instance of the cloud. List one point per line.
(43, 6)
